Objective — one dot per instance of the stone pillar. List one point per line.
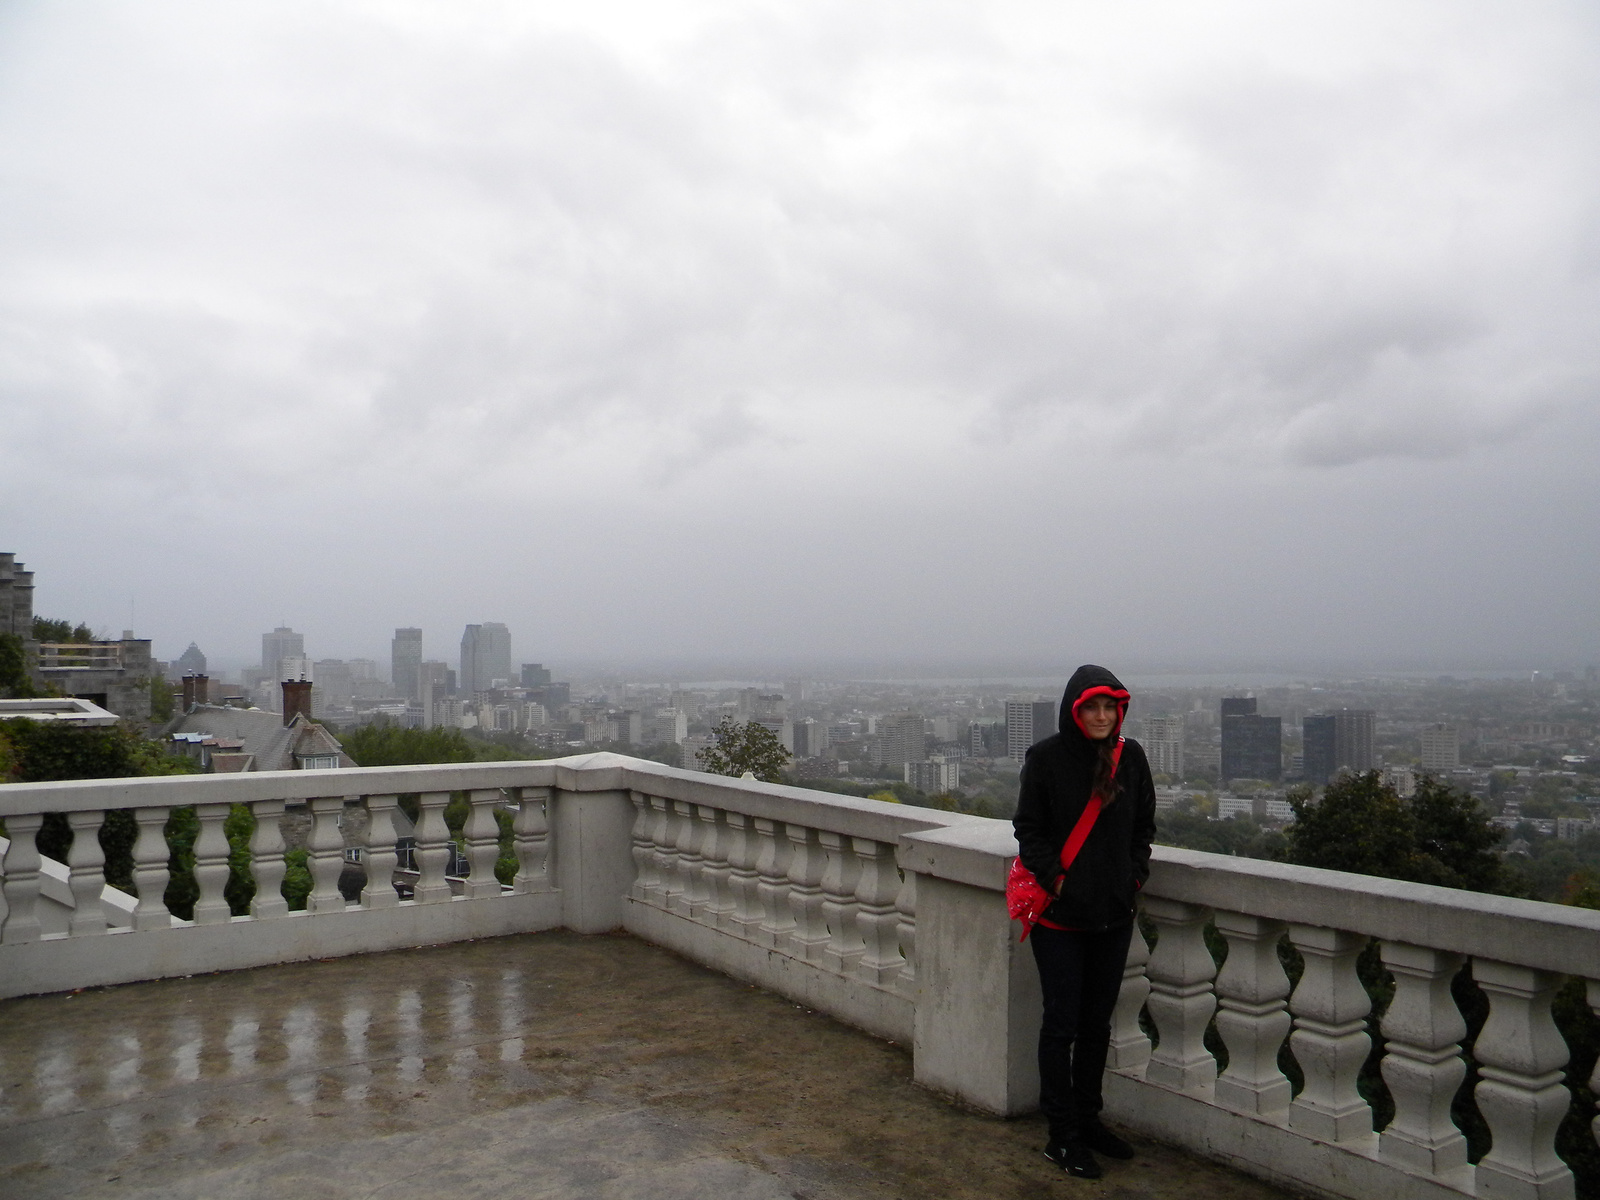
(1181, 999)
(592, 835)
(1330, 1039)
(1252, 990)
(1422, 1064)
(87, 878)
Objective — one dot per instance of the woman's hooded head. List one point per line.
(1087, 682)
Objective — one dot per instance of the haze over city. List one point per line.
(739, 339)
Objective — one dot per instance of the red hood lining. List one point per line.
(1117, 694)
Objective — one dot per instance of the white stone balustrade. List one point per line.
(887, 916)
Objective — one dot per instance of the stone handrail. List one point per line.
(890, 917)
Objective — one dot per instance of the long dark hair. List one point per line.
(1105, 768)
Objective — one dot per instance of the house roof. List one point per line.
(262, 736)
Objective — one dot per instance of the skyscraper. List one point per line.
(1340, 741)
(405, 660)
(1441, 749)
(903, 739)
(1027, 722)
(1163, 744)
(278, 645)
(1320, 756)
(1252, 745)
(485, 656)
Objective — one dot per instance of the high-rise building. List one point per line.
(405, 660)
(1319, 755)
(1027, 722)
(810, 738)
(535, 675)
(1354, 730)
(485, 657)
(276, 646)
(1252, 745)
(191, 662)
(1441, 749)
(939, 775)
(1163, 744)
(903, 739)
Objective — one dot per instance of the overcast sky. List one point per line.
(957, 332)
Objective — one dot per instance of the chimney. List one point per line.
(202, 689)
(188, 692)
(296, 699)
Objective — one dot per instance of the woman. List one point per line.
(1086, 791)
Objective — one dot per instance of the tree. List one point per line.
(1361, 824)
(47, 630)
(745, 747)
(14, 681)
(384, 745)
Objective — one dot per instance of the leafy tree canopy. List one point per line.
(14, 681)
(745, 747)
(41, 751)
(47, 630)
(1361, 824)
(384, 745)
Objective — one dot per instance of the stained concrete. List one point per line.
(542, 1065)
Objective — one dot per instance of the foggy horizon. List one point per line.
(709, 334)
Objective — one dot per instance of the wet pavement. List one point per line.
(543, 1065)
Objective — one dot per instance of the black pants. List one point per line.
(1080, 975)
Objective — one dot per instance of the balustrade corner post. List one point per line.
(877, 882)
(86, 877)
(844, 946)
(1520, 1091)
(716, 869)
(482, 836)
(267, 864)
(808, 933)
(745, 919)
(772, 865)
(1253, 1020)
(433, 851)
(530, 838)
(1130, 1045)
(1422, 1061)
(150, 874)
(380, 860)
(211, 865)
(326, 854)
(22, 882)
(1330, 1040)
(1181, 999)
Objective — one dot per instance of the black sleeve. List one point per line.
(1144, 817)
(1036, 844)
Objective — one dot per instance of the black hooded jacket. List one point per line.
(1057, 776)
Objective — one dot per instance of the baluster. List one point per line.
(530, 838)
(433, 850)
(773, 886)
(327, 854)
(150, 875)
(1422, 1060)
(1330, 1039)
(211, 865)
(844, 946)
(1253, 1020)
(713, 851)
(482, 835)
(692, 899)
(379, 860)
(1592, 992)
(21, 883)
(645, 876)
(666, 839)
(743, 880)
(1520, 1093)
(266, 860)
(1181, 998)
(809, 934)
(905, 904)
(86, 873)
(877, 881)
(1130, 1045)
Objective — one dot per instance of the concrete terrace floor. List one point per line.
(542, 1065)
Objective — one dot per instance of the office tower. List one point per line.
(535, 675)
(1441, 749)
(1163, 744)
(1319, 756)
(485, 657)
(1252, 745)
(278, 645)
(405, 660)
(903, 739)
(1027, 722)
(810, 738)
(190, 662)
(1353, 739)
(335, 686)
(439, 675)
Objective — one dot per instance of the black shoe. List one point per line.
(1073, 1158)
(1102, 1141)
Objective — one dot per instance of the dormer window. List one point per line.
(319, 762)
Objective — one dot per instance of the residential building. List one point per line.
(405, 663)
(485, 657)
(1163, 744)
(114, 675)
(1319, 756)
(903, 739)
(226, 739)
(936, 776)
(1027, 722)
(1334, 742)
(1441, 749)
